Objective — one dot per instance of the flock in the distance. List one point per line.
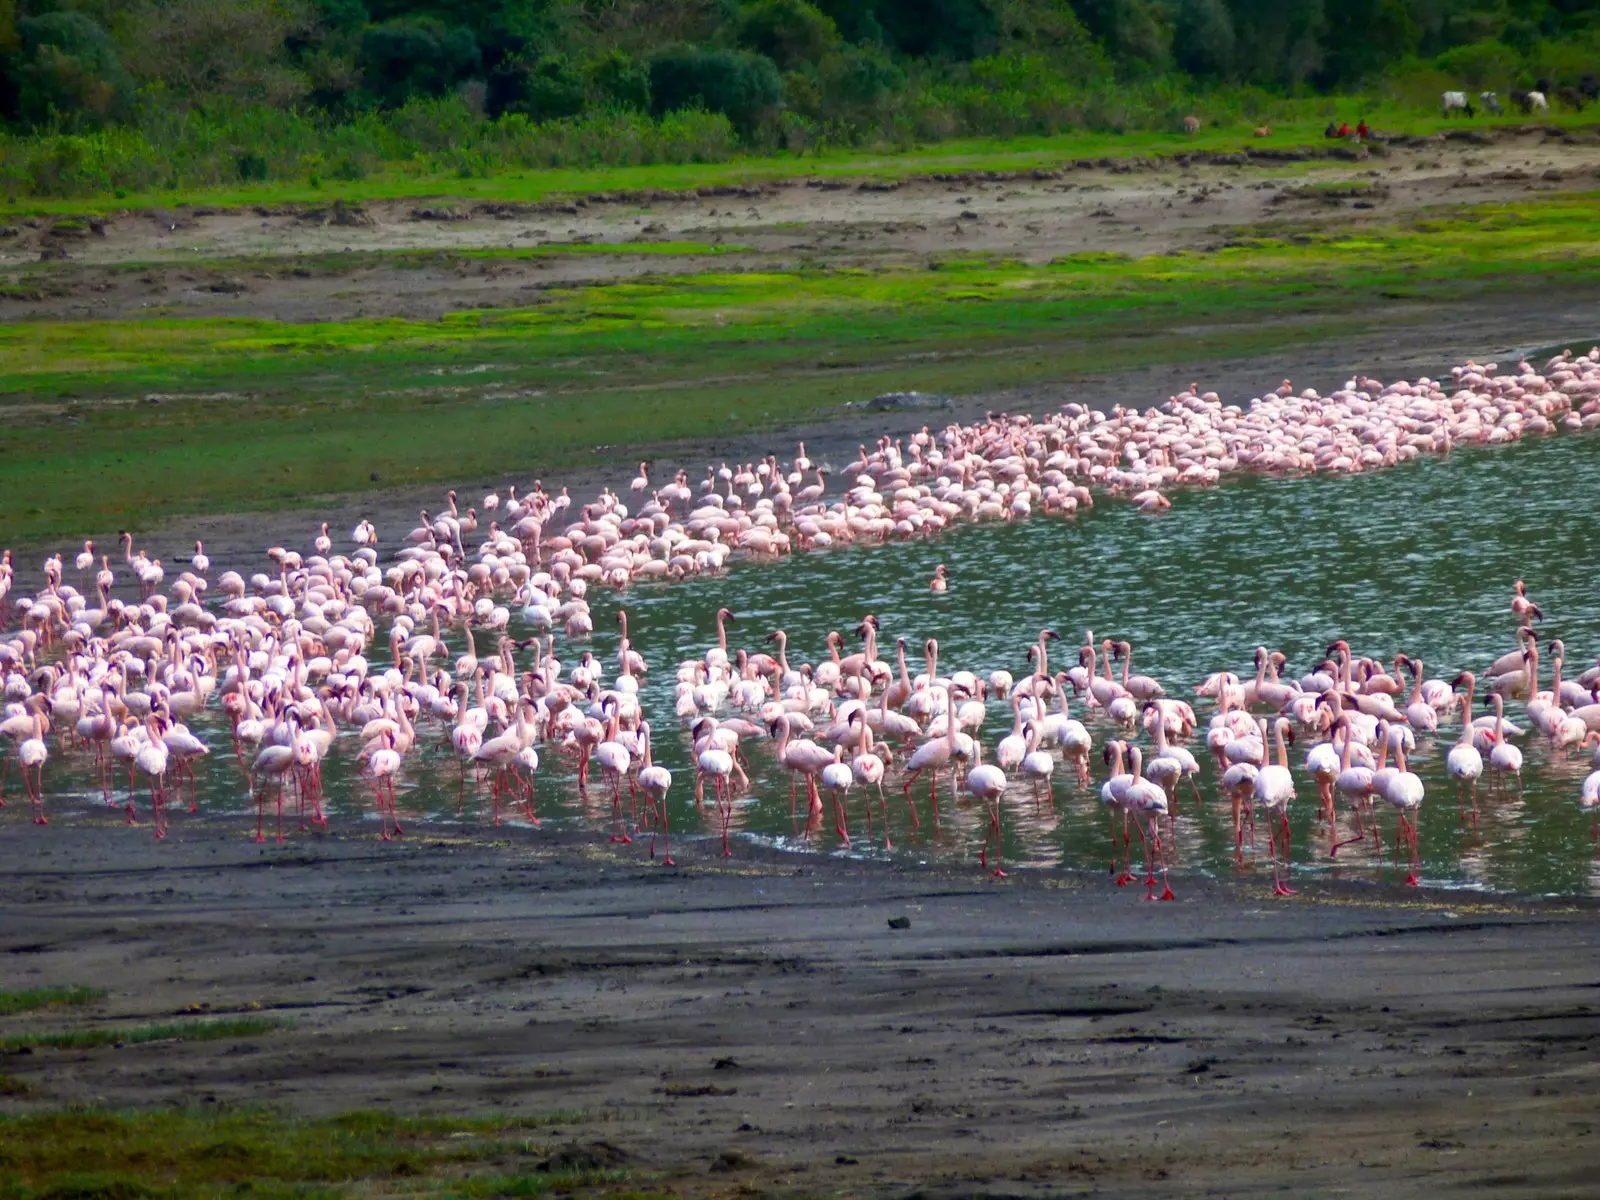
(444, 641)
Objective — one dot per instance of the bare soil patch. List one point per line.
(285, 264)
(762, 1025)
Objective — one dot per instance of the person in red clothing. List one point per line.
(1362, 131)
(1344, 129)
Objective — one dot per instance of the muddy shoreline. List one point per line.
(759, 1024)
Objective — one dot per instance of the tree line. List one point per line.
(75, 65)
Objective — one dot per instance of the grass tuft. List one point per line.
(187, 1031)
(20, 1000)
(178, 1154)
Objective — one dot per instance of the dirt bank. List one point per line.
(333, 264)
(761, 1025)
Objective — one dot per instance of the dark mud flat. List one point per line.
(759, 1028)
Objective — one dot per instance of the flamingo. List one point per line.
(655, 782)
(382, 766)
(933, 756)
(838, 777)
(1354, 783)
(1464, 762)
(1113, 793)
(800, 756)
(153, 758)
(1039, 764)
(988, 783)
(614, 759)
(1274, 789)
(868, 770)
(1148, 801)
(32, 754)
(1504, 758)
(1404, 790)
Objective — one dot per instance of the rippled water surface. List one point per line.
(1418, 559)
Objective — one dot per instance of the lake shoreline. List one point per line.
(1025, 1036)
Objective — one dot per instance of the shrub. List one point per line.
(745, 87)
(68, 69)
(1202, 38)
(416, 57)
(956, 29)
(1481, 64)
(617, 81)
(545, 89)
(790, 32)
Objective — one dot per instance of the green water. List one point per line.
(1419, 559)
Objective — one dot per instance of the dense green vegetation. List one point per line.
(178, 1154)
(257, 413)
(101, 96)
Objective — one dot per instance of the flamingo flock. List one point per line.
(293, 658)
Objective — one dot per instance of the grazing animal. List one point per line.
(1191, 125)
(1491, 103)
(1537, 102)
(1455, 102)
(1570, 97)
(1263, 131)
(1589, 85)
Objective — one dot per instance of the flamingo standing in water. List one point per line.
(1464, 762)
(1354, 783)
(837, 777)
(800, 756)
(1039, 764)
(1504, 758)
(1274, 789)
(655, 782)
(1148, 801)
(32, 754)
(273, 762)
(614, 760)
(382, 766)
(1113, 793)
(988, 784)
(153, 758)
(868, 769)
(1404, 790)
(933, 755)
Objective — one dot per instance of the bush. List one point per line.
(544, 90)
(416, 57)
(1483, 64)
(617, 81)
(746, 88)
(955, 29)
(68, 70)
(790, 32)
(1202, 38)
(856, 79)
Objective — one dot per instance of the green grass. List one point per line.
(20, 1000)
(188, 1031)
(259, 413)
(535, 185)
(177, 1154)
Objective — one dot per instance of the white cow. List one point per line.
(1490, 102)
(1455, 102)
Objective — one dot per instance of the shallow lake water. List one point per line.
(1419, 559)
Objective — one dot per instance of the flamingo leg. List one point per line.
(911, 804)
(1166, 886)
(1412, 879)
